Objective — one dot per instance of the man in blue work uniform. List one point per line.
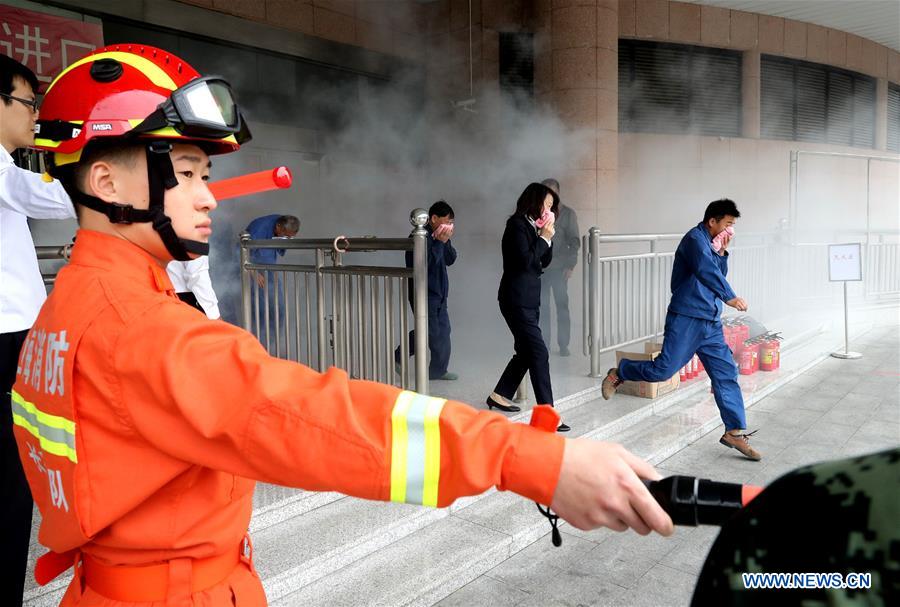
(693, 324)
(265, 228)
(271, 226)
(440, 255)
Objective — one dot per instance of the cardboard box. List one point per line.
(652, 346)
(646, 389)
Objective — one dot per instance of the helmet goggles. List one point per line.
(204, 108)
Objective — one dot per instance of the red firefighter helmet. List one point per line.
(143, 95)
(136, 91)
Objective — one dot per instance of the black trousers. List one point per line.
(530, 355)
(555, 282)
(15, 496)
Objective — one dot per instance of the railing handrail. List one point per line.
(637, 282)
(848, 155)
(648, 237)
(349, 244)
(347, 352)
(637, 237)
(44, 252)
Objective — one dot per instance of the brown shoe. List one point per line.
(741, 442)
(610, 383)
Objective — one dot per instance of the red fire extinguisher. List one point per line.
(749, 358)
(770, 352)
(743, 330)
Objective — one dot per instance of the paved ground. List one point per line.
(838, 408)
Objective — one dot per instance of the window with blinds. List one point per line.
(893, 118)
(677, 88)
(517, 66)
(803, 101)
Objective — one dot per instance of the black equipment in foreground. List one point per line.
(688, 500)
(696, 501)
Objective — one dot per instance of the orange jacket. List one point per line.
(143, 425)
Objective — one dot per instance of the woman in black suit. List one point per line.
(527, 249)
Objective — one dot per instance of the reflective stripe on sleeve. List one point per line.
(56, 434)
(416, 449)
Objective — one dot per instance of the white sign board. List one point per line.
(844, 262)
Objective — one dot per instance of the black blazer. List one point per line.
(525, 255)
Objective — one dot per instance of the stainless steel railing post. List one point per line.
(585, 329)
(418, 218)
(245, 281)
(594, 300)
(522, 391)
(321, 329)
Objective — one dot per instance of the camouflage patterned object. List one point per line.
(835, 517)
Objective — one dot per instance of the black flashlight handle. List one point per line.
(696, 501)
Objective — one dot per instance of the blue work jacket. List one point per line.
(698, 277)
(440, 255)
(263, 228)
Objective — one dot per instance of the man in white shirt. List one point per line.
(193, 285)
(23, 194)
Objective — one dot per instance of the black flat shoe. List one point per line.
(563, 427)
(492, 404)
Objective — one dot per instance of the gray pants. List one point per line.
(555, 281)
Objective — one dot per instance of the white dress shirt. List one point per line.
(24, 194)
(193, 276)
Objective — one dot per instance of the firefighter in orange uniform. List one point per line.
(143, 426)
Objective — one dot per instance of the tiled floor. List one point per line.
(838, 408)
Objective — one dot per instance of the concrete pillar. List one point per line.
(750, 93)
(881, 117)
(584, 91)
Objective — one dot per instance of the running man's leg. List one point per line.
(717, 358)
(682, 336)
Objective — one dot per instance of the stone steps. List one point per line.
(438, 559)
(324, 548)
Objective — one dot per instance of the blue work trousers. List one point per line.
(685, 336)
(438, 340)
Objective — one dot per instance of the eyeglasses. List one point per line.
(31, 103)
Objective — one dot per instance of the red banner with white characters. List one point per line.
(46, 43)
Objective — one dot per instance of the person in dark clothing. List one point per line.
(556, 277)
(271, 226)
(440, 254)
(693, 323)
(527, 248)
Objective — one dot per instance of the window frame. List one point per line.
(628, 122)
(828, 126)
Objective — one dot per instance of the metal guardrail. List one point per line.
(625, 296)
(351, 316)
(348, 316)
(52, 252)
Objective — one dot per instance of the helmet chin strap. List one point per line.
(160, 177)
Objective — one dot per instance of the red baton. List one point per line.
(252, 183)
